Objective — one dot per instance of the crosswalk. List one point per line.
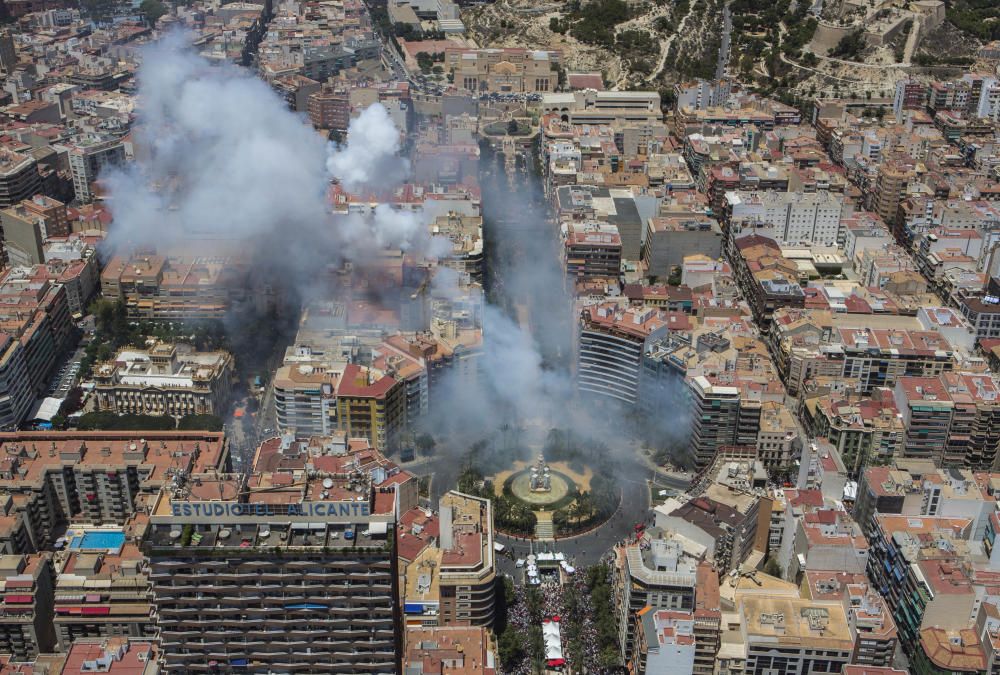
(544, 527)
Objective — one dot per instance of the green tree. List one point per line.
(609, 658)
(200, 423)
(425, 61)
(425, 444)
(508, 591)
(511, 648)
(536, 647)
(72, 403)
(104, 313)
(850, 46)
(152, 10)
(772, 567)
(97, 421)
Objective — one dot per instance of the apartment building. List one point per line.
(73, 263)
(869, 619)
(36, 330)
(23, 235)
(448, 580)
(795, 635)
(289, 570)
(669, 240)
(796, 218)
(26, 614)
(982, 312)
(465, 232)
(179, 285)
(778, 441)
(19, 178)
(304, 400)
(826, 539)
(912, 487)
(873, 350)
(52, 478)
(715, 419)
(115, 656)
(612, 342)
(951, 419)
(768, 280)
(864, 431)
(659, 575)
(915, 565)
(165, 379)
(101, 590)
(665, 642)
(908, 95)
(890, 186)
(330, 108)
(405, 358)
(370, 404)
(87, 158)
(726, 522)
(443, 650)
(592, 250)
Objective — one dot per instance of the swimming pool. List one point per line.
(98, 540)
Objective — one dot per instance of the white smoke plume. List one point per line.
(220, 155)
(370, 156)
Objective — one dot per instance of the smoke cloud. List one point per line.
(526, 384)
(370, 156)
(219, 155)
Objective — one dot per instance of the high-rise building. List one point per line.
(290, 571)
(890, 185)
(101, 591)
(8, 53)
(87, 158)
(370, 404)
(37, 326)
(715, 418)
(19, 178)
(659, 575)
(26, 613)
(451, 581)
(665, 642)
(611, 346)
(592, 250)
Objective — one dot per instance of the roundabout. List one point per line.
(561, 489)
(559, 496)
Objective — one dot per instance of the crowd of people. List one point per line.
(563, 597)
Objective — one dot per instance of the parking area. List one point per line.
(64, 379)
